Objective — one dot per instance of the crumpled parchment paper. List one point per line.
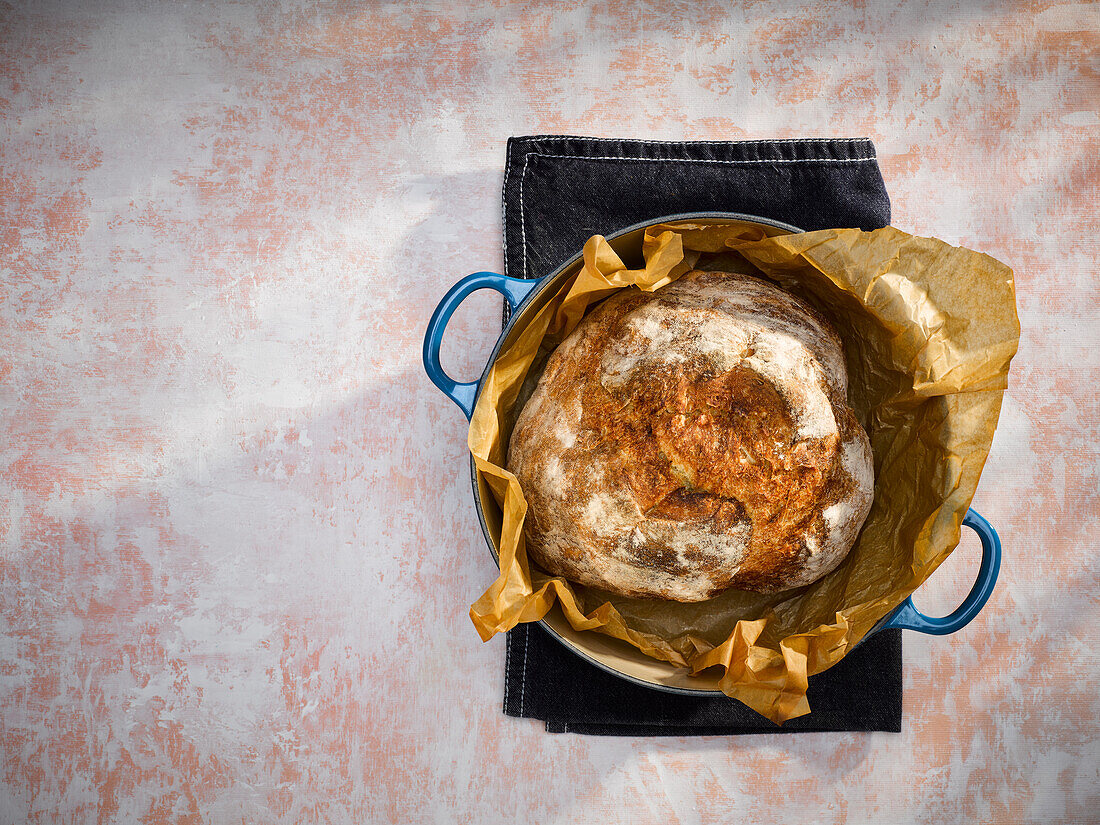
(929, 330)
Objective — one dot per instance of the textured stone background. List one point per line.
(237, 542)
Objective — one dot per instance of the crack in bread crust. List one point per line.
(694, 439)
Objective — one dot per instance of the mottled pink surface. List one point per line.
(238, 543)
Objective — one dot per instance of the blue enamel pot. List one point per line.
(524, 299)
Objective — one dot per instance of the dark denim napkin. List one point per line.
(558, 192)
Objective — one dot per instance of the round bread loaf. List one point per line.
(693, 439)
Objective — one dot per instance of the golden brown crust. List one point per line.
(690, 440)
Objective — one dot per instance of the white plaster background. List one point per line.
(237, 542)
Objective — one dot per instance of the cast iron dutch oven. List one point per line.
(525, 297)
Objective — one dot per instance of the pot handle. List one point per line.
(907, 617)
(514, 291)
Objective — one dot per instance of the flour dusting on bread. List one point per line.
(693, 439)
